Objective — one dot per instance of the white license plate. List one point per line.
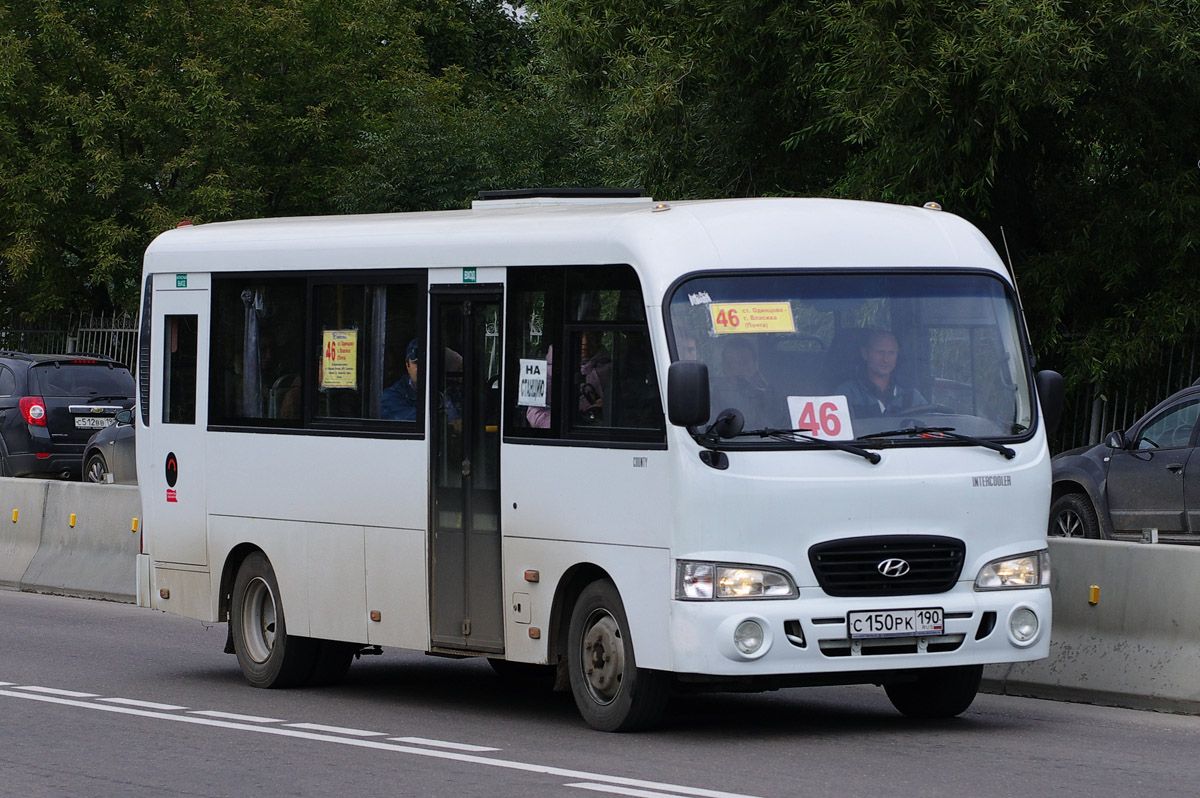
(896, 623)
(93, 422)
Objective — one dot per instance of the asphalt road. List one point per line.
(100, 699)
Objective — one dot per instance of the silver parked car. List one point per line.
(110, 455)
(1139, 478)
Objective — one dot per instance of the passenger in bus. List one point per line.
(595, 369)
(686, 347)
(401, 399)
(874, 391)
(539, 417)
(743, 387)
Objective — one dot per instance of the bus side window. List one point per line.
(364, 332)
(584, 332)
(257, 342)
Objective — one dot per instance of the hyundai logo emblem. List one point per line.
(893, 567)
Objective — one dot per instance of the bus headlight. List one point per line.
(702, 581)
(1025, 570)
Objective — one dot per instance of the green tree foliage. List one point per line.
(123, 117)
(1071, 125)
(687, 98)
(483, 126)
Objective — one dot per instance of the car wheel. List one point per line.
(268, 656)
(610, 690)
(95, 469)
(4, 472)
(1072, 516)
(936, 692)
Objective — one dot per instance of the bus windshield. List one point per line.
(886, 358)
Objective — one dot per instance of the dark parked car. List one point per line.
(1140, 478)
(50, 405)
(110, 455)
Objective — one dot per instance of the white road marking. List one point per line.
(378, 745)
(212, 713)
(335, 730)
(55, 691)
(129, 702)
(443, 744)
(608, 788)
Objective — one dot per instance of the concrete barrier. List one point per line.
(1137, 646)
(75, 540)
(22, 503)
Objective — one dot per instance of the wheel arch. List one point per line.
(1063, 487)
(233, 561)
(572, 583)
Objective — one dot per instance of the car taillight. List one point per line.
(33, 409)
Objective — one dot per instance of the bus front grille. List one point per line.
(887, 565)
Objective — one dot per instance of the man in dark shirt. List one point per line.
(874, 391)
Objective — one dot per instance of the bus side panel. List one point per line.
(285, 544)
(642, 576)
(396, 586)
(337, 582)
(566, 505)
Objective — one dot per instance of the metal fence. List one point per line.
(1092, 411)
(112, 336)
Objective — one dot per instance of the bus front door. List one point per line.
(464, 409)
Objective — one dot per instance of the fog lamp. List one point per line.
(748, 637)
(1023, 624)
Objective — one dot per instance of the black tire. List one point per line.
(612, 693)
(268, 656)
(937, 692)
(95, 469)
(1072, 516)
(4, 472)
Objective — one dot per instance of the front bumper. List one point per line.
(809, 635)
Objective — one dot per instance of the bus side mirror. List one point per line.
(1050, 394)
(687, 393)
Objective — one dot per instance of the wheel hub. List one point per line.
(258, 620)
(603, 657)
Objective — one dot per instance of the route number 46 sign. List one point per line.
(825, 417)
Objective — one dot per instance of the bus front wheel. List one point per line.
(936, 692)
(611, 691)
(268, 656)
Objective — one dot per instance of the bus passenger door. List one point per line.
(175, 492)
(464, 366)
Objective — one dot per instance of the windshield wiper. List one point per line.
(944, 432)
(106, 398)
(791, 435)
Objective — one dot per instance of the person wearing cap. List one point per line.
(400, 400)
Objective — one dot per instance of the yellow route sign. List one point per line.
(752, 317)
(339, 361)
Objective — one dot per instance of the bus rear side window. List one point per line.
(179, 370)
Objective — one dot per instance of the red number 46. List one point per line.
(822, 421)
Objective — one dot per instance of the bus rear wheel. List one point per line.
(936, 692)
(268, 656)
(612, 693)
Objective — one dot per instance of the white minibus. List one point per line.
(643, 447)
